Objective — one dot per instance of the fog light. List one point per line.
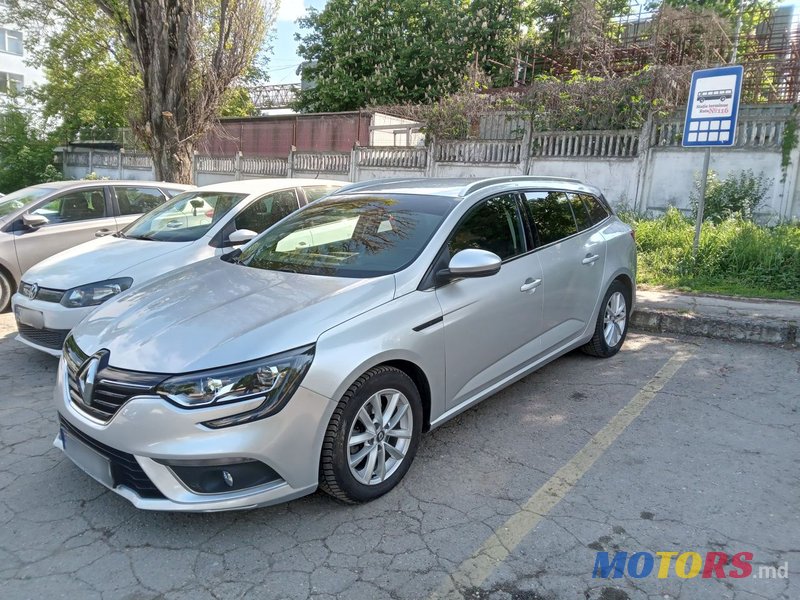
(218, 476)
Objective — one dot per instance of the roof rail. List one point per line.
(473, 187)
(365, 185)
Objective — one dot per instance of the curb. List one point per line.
(736, 329)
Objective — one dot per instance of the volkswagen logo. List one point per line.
(86, 379)
(31, 291)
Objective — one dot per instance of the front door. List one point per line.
(73, 217)
(490, 323)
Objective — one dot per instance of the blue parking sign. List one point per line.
(713, 107)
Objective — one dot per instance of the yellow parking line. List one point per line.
(474, 571)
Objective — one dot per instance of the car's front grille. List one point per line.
(49, 338)
(33, 291)
(125, 470)
(111, 387)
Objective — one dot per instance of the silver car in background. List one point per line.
(41, 220)
(318, 354)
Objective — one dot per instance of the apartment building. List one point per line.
(15, 74)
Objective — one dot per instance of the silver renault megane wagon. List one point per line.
(318, 354)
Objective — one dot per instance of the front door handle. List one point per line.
(530, 284)
(103, 232)
(590, 259)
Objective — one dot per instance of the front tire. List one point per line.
(372, 437)
(612, 322)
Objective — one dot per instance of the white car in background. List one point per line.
(56, 294)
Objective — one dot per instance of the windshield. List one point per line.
(350, 236)
(186, 218)
(20, 198)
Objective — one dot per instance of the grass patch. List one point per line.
(735, 257)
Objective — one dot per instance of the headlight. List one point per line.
(274, 379)
(93, 294)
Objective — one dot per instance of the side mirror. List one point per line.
(472, 263)
(241, 236)
(33, 221)
(196, 203)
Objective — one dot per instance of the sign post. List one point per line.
(711, 116)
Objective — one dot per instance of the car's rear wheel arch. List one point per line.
(626, 281)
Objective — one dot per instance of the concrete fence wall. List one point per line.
(645, 169)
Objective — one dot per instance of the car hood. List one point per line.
(214, 313)
(97, 260)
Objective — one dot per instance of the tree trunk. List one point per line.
(172, 162)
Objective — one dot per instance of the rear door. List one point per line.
(572, 254)
(490, 323)
(74, 216)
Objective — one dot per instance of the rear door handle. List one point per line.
(590, 259)
(530, 284)
(103, 232)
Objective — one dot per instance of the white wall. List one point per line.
(672, 172)
(616, 178)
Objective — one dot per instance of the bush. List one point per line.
(735, 256)
(26, 153)
(738, 195)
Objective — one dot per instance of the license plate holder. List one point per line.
(31, 318)
(88, 459)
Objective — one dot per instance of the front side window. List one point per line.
(495, 225)
(185, 218)
(74, 206)
(21, 198)
(266, 211)
(138, 200)
(350, 236)
(552, 216)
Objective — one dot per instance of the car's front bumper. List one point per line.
(152, 430)
(54, 322)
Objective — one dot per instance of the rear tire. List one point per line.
(612, 322)
(361, 458)
(6, 290)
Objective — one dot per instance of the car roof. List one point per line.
(75, 183)
(461, 187)
(259, 186)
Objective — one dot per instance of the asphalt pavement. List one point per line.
(673, 449)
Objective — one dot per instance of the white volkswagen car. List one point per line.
(56, 294)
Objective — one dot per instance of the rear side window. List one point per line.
(138, 200)
(495, 225)
(582, 217)
(552, 215)
(315, 192)
(595, 208)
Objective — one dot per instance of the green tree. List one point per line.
(173, 63)
(365, 52)
(26, 152)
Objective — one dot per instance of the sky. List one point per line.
(284, 60)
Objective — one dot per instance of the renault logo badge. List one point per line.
(86, 379)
